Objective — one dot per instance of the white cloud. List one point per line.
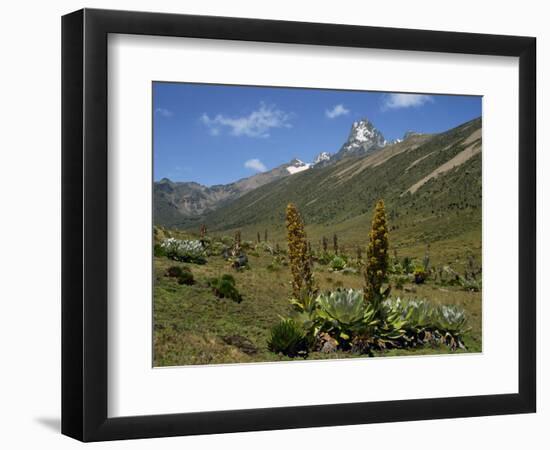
(255, 164)
(256, 124)
(396, 101)
(338, 110)
(164, 112)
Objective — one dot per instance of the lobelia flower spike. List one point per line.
(377, 258)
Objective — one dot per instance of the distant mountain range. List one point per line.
(176, 200)
(420, 175)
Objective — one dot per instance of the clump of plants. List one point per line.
(184, 250)
(407, 265)
(429, 323)
(342, 320)
(186, 277)
(399, 282)
(182, 274)
(325, 258)
(337, 263)
(361, 321)
(248, 245)
(174, 271)
(159, 251)
(344, 313)
(288, 338)
(216, 248)
(470, 281)
(265, 247)
(225, 287)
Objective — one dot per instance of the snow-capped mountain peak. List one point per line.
(322, 157)
(296, 166)
(363, 138)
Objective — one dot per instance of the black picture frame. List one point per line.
(84, 224)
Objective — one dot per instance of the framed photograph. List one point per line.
(273, 224)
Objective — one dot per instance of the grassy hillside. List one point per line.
(193, 326)
(338, 198)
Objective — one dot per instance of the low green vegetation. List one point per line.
(301, 301)
(224, 287)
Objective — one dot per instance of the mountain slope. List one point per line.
(174, 202)
(346, 189)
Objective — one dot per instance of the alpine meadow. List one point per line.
(305, 224)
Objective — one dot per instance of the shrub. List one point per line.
(470, 285)
(325, 258)
(185, 251)
(174, 271)
(399, 282)
(227, 240)
(407, 265)
(448, 277)
(288, 338)
(224, 287)
(396, 268)
(228, 277)
(159, 251)
(337, 263)
(216, 248)
(247, 245)
(186, 277)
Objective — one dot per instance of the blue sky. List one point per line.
(216, 134)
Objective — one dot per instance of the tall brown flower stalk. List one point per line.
(302, 277)
(377, 257)
(202, 231)
(237, 243)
